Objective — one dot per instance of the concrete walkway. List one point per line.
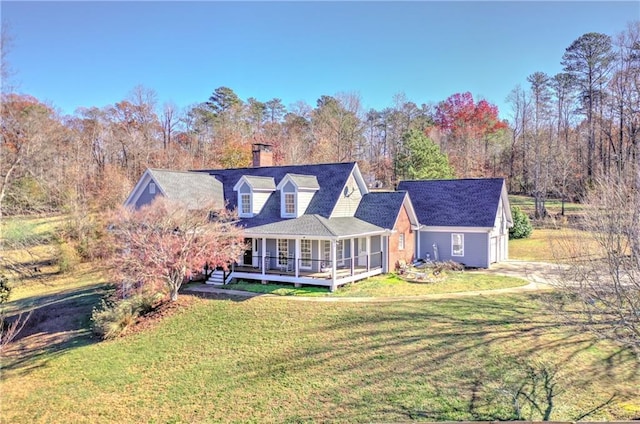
(539, 274)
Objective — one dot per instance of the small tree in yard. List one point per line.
(522, 227)
(160, 244)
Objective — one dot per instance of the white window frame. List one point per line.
(152, 188)
(283, 247)
(401, 241)
(241, 204)
(454, 243)
(340, 252)
(305, 253)
(326, 251)
(289, 203)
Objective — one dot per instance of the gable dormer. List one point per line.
(253, 193)
(350, 195)
(296, 192)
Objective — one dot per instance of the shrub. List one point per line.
(522, 227)
(68, 257)
(5, 289)
(84, 233)
(111, 319)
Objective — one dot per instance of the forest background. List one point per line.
(565, 131)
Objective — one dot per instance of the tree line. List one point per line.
(563, 131)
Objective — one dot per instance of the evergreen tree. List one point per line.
(421, 159)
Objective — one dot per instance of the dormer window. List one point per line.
(245, 204)
(289, 203)
(296, 192)
(253, 193)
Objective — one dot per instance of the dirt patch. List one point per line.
(162, 311)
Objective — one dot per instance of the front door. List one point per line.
(362, 251)
(248, 254)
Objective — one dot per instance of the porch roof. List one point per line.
(318, 227)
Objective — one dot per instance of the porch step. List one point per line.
(217, 279)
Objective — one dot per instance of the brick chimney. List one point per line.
(262, 155)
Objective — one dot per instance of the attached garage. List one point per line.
(466, 221)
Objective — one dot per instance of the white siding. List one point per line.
(500, 233)
(304, 198)
(259, 199)
(347, 205)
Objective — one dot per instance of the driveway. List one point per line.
(540, 275)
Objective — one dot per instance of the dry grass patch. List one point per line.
(549, 245)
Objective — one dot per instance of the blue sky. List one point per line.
(79, 54)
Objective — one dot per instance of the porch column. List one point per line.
(264, 255)
(296, 258)
(368, 253)
(353, 255)
(418, 253)
(333, 265)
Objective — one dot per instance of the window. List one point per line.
(326, 248)
(283, 252)
(401, 242)
(339, 252)
(245, 204)
(457, 244)
(289, 203)
(305, 253)
(152, 188)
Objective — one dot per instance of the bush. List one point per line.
(111, 319)
(522, 227)
(5, 289)
(68, 257)
(84, 233)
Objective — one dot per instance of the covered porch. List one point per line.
(341, 254)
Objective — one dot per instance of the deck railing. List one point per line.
(314, 268)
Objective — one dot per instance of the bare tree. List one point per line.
(604, 275)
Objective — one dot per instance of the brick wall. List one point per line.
(403, 226)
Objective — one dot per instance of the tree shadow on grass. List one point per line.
(54, 323)
(446, 360)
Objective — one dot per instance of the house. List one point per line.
(466, 220)
(304, 224)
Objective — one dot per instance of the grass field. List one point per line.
(265, 361)
(552, 245)
(390, 286)
(554, 206)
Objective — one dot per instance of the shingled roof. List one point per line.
(190, 188)
(381, 208)
(318, 226)
(455, 203)
(331, 179)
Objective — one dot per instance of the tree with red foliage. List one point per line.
(161, 244)
(468, 127)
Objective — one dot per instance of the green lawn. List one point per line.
(549, 245)
(261, 360)
(389, 285)
(266, 360)
(554, 206)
